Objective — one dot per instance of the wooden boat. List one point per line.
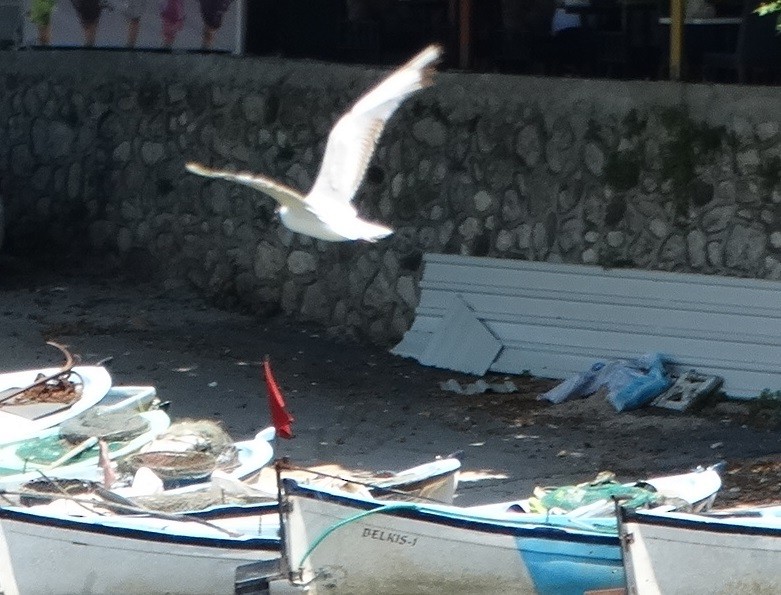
(127, 398)
(22, 418)
(231, 494)
(44, 552)
(45, 456)
(337, 542)
(737, 551)
(228, 547)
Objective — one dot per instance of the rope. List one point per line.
(114, 505)
(365, 484)
(352, 519)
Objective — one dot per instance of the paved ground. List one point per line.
(356, 405)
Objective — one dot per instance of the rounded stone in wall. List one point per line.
(772, 268)
(301, 263)
(379, 294)
(316, 305)
(529, 145)
(405, 288)
(269, 261)
(615, 239)
(672, 252)
(594, 159)
(504, 240)
(430, 132)
(717, 218)
(589, 256)
(715, 254)
(339, 315)
(483, 201)
(767, 131)
(744, 248)
(511, 207)
(290, 296)
(400, 323)
(254, 108)
(570, 234)
(697, 241)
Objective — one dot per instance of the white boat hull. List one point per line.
(390, 552)
(42, 555)
(13, 427)
(336, 542)
(676, 553)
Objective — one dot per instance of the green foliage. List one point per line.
(622, 169)
(771, 7)
(765, 410)
(691, 144)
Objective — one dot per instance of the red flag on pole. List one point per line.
(280, 417)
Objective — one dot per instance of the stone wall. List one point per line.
(637, 174)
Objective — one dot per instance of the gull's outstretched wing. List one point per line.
(284, 195)
(352, 140)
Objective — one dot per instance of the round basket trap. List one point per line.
(174, 467)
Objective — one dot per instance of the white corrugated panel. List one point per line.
(555, 320)
(461, 342)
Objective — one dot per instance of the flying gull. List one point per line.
(327, 212)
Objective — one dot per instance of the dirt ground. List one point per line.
(355, 404)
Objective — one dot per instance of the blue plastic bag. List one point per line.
(645, 382)
(629, 383)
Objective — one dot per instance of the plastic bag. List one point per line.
(642, 383)
(629, 383)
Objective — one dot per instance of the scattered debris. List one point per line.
(630, 383)
(687, 391)
(478, 387)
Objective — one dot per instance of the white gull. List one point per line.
(327, 212)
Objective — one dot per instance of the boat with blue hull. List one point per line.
(342, 543)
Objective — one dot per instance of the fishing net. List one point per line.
(188, 451)
(603, 487)
(195, 500)
(42, 451)
(174, 465)
(43, 491)
(117, 426)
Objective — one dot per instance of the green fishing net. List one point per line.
(42, 451)
(571, 497)
(603, 488)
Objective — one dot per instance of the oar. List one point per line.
(116, 503)
(73, 452)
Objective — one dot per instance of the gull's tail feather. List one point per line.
(360, 229)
